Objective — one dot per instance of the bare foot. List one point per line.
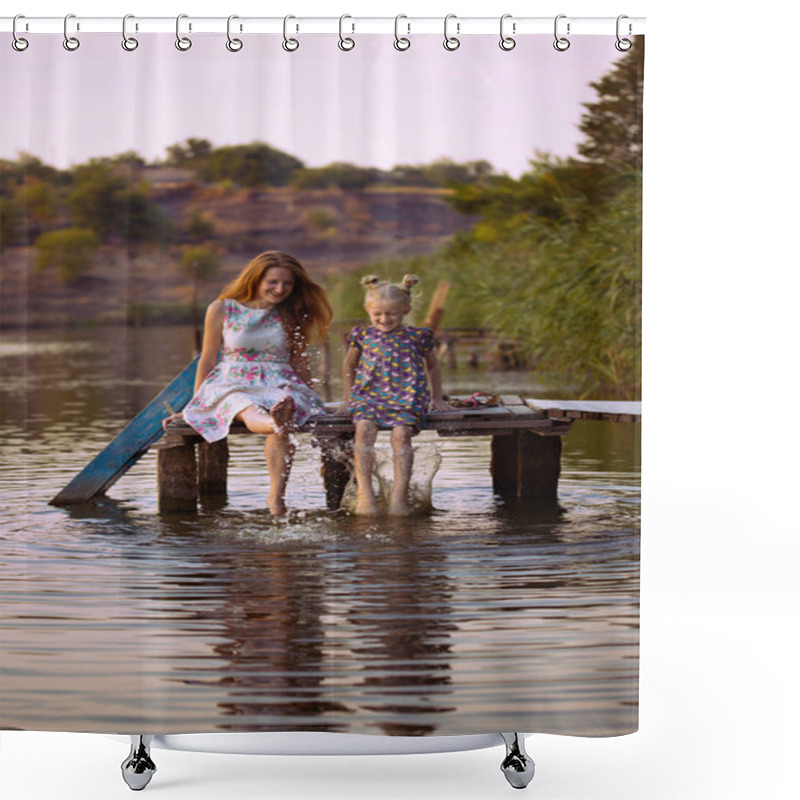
(399, 507)
(366, 505)
(276, 505)
(283, 415)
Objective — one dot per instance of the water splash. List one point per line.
(427, 460)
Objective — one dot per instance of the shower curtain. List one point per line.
(137, 181)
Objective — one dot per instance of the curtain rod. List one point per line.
(404, 25)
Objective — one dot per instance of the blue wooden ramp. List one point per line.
(131, 444)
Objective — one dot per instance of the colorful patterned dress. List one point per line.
(391, 387)
(253, 369)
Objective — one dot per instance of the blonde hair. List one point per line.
(376, 289)
(306, 313)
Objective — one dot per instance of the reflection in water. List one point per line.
(476, 616)
(397, 617)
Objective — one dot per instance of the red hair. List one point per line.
(306, 312)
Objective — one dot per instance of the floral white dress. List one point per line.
(253, 369)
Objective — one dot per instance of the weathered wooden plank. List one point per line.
(477, 425)
(511, 400)
(560, 428)
(487, 432)
(129, 446)
(326, 425)
(491, 411)
(603, 407)
(525, 411)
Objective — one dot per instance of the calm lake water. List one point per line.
(475, 617)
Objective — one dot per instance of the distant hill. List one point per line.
(329, 230)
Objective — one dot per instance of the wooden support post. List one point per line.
(177, 478)
(212, 468)
(436, 308)
(526, 465)
(337, 461)
(504, 465)
(539, 466)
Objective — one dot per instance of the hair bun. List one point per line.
(370, 281)
(409, 282)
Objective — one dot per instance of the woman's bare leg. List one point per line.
(279, 453)
(364, 457)
(403, 462)
(283, 415)
(279, 448)
(280, 416)
(256, 420)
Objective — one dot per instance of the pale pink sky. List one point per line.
(372, 106)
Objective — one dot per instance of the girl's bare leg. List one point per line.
(403, 462)
(364, 457)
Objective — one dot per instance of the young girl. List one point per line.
(254, 366)
(386, 386)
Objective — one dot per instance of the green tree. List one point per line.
(199, 262)
(200, 227)
(69, 252)
(613, 122)
(255, 164)
(39, 199)
(102, 200)
(192, 151)
(15, 173)
(340, 175)
(12, 221)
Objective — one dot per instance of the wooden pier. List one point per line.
(525, 433)
(525, 449)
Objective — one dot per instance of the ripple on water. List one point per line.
(472, 615)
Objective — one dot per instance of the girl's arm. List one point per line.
(212, 341)
(435, 380)
(351, 360)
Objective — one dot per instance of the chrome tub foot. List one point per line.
(138, 768)
(517, 766)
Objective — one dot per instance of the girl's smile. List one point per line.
(385, 315)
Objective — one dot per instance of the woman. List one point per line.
(254, 363)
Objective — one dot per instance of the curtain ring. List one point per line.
(183, 43)
(451, 42)
(18, 43)
(561, 44)
(70, 42)
(128, 42)
(401, 43)
(289, 45)
(506, 42)
(623, 45)
(346, 43)
(234, 45)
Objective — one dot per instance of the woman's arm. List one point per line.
(212, 341)
(301, 366)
